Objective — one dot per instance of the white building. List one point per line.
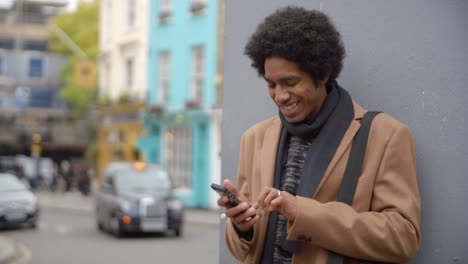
(123, 45)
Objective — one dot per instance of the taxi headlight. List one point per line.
(125, 205)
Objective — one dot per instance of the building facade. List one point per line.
(123, 46)
(123, 59)
(182, 118)
(30, 82)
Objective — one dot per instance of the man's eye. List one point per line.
(291, 84)
(271, 85)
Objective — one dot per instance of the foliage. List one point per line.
(124, 98)
(82, 26)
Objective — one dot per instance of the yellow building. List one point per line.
(117, 134)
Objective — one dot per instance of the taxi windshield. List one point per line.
(142, 181)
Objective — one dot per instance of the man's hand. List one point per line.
(243, 216)
(282, 202)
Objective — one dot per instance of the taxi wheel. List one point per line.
(178, 232)
(115, 227)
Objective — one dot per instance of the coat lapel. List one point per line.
(269, 151)
(347, 140)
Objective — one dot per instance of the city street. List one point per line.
(72, 237)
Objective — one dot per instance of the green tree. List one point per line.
(82, 27)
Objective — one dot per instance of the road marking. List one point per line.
(62, 229)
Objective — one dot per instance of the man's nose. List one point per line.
(281, 94)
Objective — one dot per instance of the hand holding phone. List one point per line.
(221, 190)
(243, 218)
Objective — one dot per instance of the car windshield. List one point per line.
(11, 184)
(142, 181)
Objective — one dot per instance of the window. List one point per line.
(165, 11)
(35, 67)
(6, 43)
(131, 13)
(129, 73)
(197, 6)
(178, 155)
(196, 80)
(166, 6)
(35, 45)
(164, 76)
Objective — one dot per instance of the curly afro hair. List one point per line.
(306, 37)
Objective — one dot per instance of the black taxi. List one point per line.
(137, 197)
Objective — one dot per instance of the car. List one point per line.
(18, 205)
(137, 197)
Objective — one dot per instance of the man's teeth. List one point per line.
(289, 107)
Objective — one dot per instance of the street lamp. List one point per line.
(36, 156)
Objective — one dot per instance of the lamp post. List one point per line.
(36, 156)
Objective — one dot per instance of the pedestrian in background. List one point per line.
(291, 166)
(67, 174)
(57, 178)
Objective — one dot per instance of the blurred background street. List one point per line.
(110, 130)
(68, 234)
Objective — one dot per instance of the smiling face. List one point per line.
(294, 91)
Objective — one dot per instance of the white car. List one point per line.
(18, 205)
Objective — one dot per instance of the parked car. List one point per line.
(18, 205)
(137, 197)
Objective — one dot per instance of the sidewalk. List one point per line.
(13, 252)
(74, 201)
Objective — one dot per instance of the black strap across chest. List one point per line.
(352, 172)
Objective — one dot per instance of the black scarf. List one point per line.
(326, 129)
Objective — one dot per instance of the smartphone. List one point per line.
(221, 190)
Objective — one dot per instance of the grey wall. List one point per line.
(407, 58)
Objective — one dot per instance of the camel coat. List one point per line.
(383, 222)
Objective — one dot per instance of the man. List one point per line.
(291, 166)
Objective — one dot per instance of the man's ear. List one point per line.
(324, 81)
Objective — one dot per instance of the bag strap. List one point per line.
(353, 171)
(356, 157)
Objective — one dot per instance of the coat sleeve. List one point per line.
(240, 247)
(390, 231)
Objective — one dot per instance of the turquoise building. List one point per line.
(182, 119)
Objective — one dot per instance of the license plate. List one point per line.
(15, 216)
(154, 225)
